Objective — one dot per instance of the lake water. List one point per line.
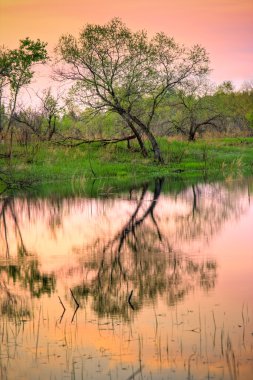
(152, 283)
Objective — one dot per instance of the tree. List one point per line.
(41, 121)
(225, 87)
(4, 72)
(50, 112)
(236, 107)
(16, 69)
(195, 108)
(115, 69)
(246, 102)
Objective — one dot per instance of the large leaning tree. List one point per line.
(115, 69)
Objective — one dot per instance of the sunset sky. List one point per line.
(223, 27)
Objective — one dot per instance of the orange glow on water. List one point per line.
(189, 266)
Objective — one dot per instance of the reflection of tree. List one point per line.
(26, 273)
(21, 270)
(12, 211)
(211, 206)
(13, 304)
(142, 259)
(147, 254)
(7, 212)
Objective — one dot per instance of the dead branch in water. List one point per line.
(77, 305)
(129, 300)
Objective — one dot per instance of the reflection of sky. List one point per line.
(110, 344)
(224, 27)
(234, 251)
(54, 233)
(61, 235)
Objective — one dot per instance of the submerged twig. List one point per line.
(62, 303)
(135, 373)
(77, 305)
(64, 309)
(129, 300)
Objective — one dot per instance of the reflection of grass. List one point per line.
(174, 343)
(14, 309)
(28, 275)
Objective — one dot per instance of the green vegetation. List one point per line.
(94, 168)
(137, 108)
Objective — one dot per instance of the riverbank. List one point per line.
(45, 165)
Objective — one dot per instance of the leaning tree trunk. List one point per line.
(135, 132)
(191, 137)
(155, 147)
(138, 136)
(192, 133)
(131, 120)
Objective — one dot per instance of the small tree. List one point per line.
(115, 69)
(4, 73)
(236, 107)
(50, 112)
(16, 68)
(42, 121)
(195, 109)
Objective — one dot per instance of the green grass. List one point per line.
(114, 164)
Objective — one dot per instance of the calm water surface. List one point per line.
(153, 283)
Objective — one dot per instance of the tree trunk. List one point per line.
(136, 133)
(138, 136)
(192, 132)
(151, 137)
(12, 111)
(1, 118)
(130, 119)
(191, 137)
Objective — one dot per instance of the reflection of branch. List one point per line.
(6, 236)
(207, 213)
(130, 228)
(7, 204)
(129, 223)
(156, 225)
(18, 228)
(141, 257)
(133, 224)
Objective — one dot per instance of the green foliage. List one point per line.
(16, 68)
(225, 87)
(116, 69)
(249, 117)
(124, 83)
(16, 64)
(115, 164)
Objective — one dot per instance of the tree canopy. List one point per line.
(116, 69)
(15, 64)
(16, 71)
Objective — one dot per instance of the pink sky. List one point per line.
(223, 27)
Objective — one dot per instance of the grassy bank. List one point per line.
(46, 164)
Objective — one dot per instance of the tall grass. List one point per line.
(202, 159)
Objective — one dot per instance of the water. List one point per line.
(153, 283)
